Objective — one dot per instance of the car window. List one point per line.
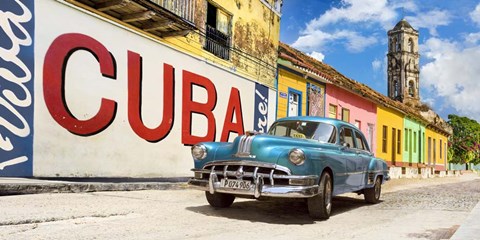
(304, 129)
(325, 133)
(346, 136)
(360, 142)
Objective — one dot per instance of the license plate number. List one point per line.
(236, 184)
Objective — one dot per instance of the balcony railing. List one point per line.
(164, 18)
(182, 8)
(217, 43)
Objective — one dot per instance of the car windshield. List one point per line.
(321, 132)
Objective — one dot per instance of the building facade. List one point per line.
(389, 137)
(300, 92)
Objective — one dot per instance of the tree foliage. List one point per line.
(464, 144)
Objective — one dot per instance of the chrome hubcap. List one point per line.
(377, 190)
(328, 195)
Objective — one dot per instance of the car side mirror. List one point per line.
(345, 145)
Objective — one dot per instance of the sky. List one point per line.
(351, 36)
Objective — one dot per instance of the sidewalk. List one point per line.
(15, 186)
(470, 229)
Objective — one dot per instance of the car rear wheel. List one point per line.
(372, 195)
(219, 200)
(320, 206)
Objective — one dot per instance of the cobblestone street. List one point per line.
(410, 209)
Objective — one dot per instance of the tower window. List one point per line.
(411, 89)
(410, 45)
(396, 87)
(393, 45)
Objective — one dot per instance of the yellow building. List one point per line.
(241, 35)
(301, 92)
(435, 149)
(389, 135)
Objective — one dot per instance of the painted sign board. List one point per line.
(110, 102)
(16, 87)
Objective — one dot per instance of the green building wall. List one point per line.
(413, 142)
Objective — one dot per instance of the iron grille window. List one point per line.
(218, 43)
(217, 28)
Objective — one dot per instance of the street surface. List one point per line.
(411, 209)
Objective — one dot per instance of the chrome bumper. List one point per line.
(259, 189)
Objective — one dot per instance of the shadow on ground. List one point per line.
(276, 211)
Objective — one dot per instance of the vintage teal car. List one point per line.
(300, 157)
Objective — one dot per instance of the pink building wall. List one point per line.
(360, 109)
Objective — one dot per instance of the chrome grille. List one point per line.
(245, 170)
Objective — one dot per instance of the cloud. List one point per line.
(355, 24)
(451, 76)
(312, 41)
(430, 20)
(317, 55)
(355, 11)
(376, 65)
(475, 14)
(352, 41)
(472, 38)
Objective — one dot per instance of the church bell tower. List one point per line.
(403, 58)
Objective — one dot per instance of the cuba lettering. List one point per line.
(65, 45)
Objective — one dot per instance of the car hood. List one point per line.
(263, 147)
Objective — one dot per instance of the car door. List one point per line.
(349, 153)
(364, 157)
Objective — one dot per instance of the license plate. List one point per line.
(236, 184)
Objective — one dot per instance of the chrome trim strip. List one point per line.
(256, 174)
(271, 177)
(250, 163)
(225, 171)
(259, 190)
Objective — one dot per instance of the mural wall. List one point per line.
(103, 101)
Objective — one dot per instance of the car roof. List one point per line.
(332, 121)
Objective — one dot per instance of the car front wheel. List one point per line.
(320, 206)
(219, 200)
(372, 195)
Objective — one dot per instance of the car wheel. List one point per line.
(372, 195)
(320, 206)
(219, 200)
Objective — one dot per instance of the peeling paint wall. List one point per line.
(255, 34)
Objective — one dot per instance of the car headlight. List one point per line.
(199, 152)
(296, 156)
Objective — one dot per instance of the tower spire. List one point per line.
(403, 58)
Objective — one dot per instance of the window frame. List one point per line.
(346, 110)
(335, 108)
(384, 138)
(399, 141)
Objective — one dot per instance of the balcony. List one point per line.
(163, 18)
(217, 43)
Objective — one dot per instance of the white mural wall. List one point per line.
(109, 102)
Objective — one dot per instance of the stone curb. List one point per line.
(470, 229)
(35, 188)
